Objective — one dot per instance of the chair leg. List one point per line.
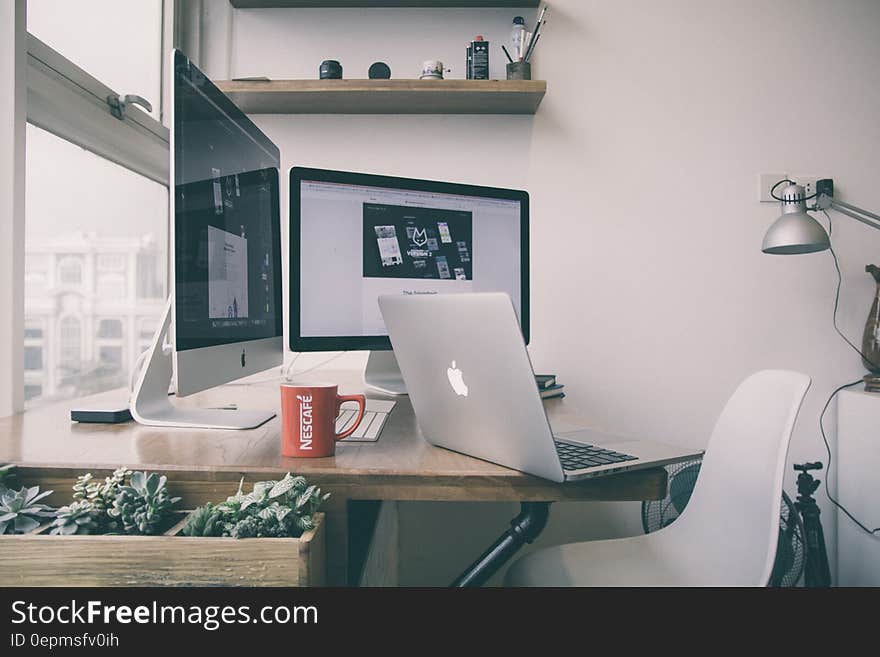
(525, 528)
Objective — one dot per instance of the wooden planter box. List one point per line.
(40, 559)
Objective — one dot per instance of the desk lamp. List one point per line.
(797, 232)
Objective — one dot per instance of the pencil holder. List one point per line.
(519, 71)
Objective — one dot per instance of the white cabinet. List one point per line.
(857, 474)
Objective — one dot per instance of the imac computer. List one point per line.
(354, 237)
(226, 306)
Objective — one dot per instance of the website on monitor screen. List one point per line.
(359, 243)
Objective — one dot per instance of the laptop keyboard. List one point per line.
(578, 457)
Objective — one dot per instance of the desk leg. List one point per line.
(525, 528)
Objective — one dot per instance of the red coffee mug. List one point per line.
(308, 419)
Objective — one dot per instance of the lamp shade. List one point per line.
(795, 231)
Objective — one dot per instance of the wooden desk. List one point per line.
(206, 465)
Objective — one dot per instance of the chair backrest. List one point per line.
(730, 527)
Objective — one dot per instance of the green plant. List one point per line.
(100, 495)
(5, 476)
(143, 505)
(80, 517)
(284, 508)
(204, 521)
(21, 510)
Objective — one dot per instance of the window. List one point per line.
(115, 210)
(32, 391)
(95, 188)
(33, 329)
(150, 268)
(110, 328)
(33, 358)
(119, 43)
(70, 271)
(70, 344)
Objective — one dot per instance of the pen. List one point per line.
(527, 39)
(509, 58)
(533, 37)
(532, 48)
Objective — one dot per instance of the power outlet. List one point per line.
(807, 182)
(765, 184)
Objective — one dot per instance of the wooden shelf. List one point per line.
(274, 4)
(386, 96)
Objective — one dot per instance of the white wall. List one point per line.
(650, 296)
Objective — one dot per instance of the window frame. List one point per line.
(38, 85)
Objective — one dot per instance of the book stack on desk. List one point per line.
(548, 387)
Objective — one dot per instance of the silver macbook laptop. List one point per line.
(473, 390)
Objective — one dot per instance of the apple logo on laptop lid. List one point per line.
(456, 380)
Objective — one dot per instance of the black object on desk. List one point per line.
(101, 415)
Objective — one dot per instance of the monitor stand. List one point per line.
(383, 374)
(151, 404)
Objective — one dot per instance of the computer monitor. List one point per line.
(226, 305)
(354, 237)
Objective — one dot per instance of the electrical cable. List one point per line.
(315, 367)
(837, 299)
(838, 389)
(828, 450)
(285, 374)
(788, 180)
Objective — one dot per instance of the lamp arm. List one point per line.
(867, 218)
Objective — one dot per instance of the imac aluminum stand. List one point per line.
(151, 405)
(383, 374)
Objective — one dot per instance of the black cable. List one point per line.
(837, 299)
(788, 180)
(828, 449)
(843, 387)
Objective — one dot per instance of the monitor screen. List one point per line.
(355, 237)
(227, 242)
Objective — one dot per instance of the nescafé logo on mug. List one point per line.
(305, 421)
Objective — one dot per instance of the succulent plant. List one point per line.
(204, 521)
(80, 517)
(21, 510)
(143, 505)
(282, 508)
(100, 494)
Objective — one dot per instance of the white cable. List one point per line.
(290, 375)
(286, 374)
(136, 370)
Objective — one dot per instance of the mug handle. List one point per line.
(362, 407)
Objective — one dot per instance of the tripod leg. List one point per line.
(525, 528)
(817, 572)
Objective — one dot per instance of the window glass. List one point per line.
(110, 328)
(70, 344)
(119, 42)
(95, 268)
(32, 390)
(33, 358)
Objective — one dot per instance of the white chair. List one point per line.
(728, 532)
